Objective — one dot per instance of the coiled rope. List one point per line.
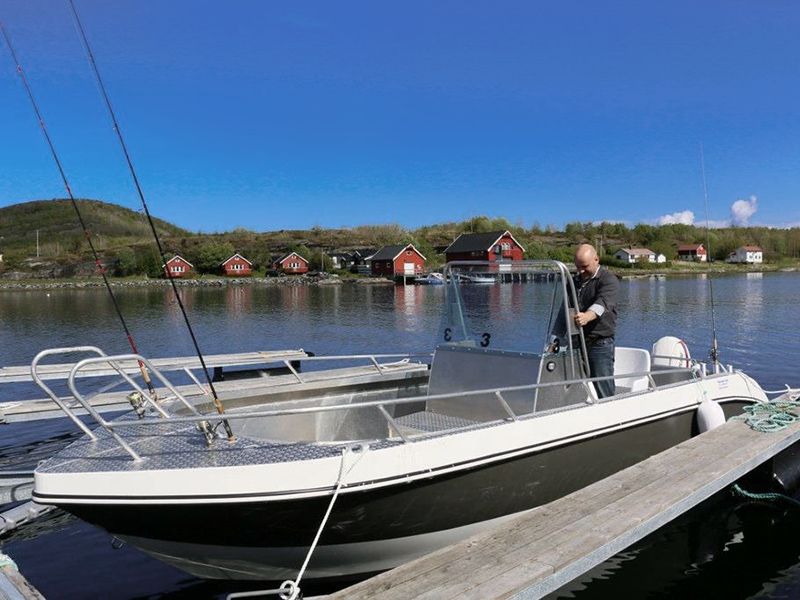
(769, 417)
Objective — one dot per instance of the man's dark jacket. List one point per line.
(601, 290)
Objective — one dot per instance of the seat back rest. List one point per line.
(628, 361)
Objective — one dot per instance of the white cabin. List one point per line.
(752, 255)
(634, 255)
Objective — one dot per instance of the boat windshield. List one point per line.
(516, 306)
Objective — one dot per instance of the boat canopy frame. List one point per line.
(570, 340)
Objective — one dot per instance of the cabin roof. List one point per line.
(393, 251)
(637, 251)
(470, 242)
(281, 260)
(227, 260)
(179, 257)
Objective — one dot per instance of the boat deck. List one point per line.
(178, 446)
(549, 546)
(183, 446)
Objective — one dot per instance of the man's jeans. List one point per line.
(601, 364)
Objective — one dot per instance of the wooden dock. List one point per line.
(546, 547)
(13, 585)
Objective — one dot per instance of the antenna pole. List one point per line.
(714, 346)
(123, 145)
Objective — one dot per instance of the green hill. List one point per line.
(60, 232)
(125, 242)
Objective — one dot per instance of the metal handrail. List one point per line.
(108, 359)
(47, 390)
(372, 358)
(111, 361)
(390, 401)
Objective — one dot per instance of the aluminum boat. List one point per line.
(418, 451)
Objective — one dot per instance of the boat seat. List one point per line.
(626, 362)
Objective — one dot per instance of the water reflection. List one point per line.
(239, 300)
(407, 299)
(724, 548)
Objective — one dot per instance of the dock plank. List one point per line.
(542, 549)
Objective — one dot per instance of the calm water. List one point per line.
(725, 548)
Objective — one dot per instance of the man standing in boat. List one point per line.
(597, 291)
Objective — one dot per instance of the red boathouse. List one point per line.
(492, 246)
(402, 260)
(692, 252)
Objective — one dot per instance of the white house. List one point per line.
(634, 255)
(747, 254)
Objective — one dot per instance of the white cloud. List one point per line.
(684, 217)
(742, 210)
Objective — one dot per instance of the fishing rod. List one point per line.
(86, 233)
(118, 131)
(714, 346)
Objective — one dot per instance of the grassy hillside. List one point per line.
(60, 233)
(125, 242)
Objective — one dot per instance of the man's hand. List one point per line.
(582, 318)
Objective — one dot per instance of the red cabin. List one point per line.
(694, 252)
(492, 246)
(237, 266)
(291, 264)
(401, 260)
(177, 267)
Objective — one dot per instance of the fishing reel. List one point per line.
(138, 403)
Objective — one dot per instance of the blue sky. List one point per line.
(272, 115)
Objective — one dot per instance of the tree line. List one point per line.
(207, 251)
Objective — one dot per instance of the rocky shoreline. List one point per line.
(309, 280)
(97, 282)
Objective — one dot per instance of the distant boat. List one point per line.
(477, 278)
(431, 279)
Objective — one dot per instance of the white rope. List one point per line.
(290, 589)
(791, 393)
